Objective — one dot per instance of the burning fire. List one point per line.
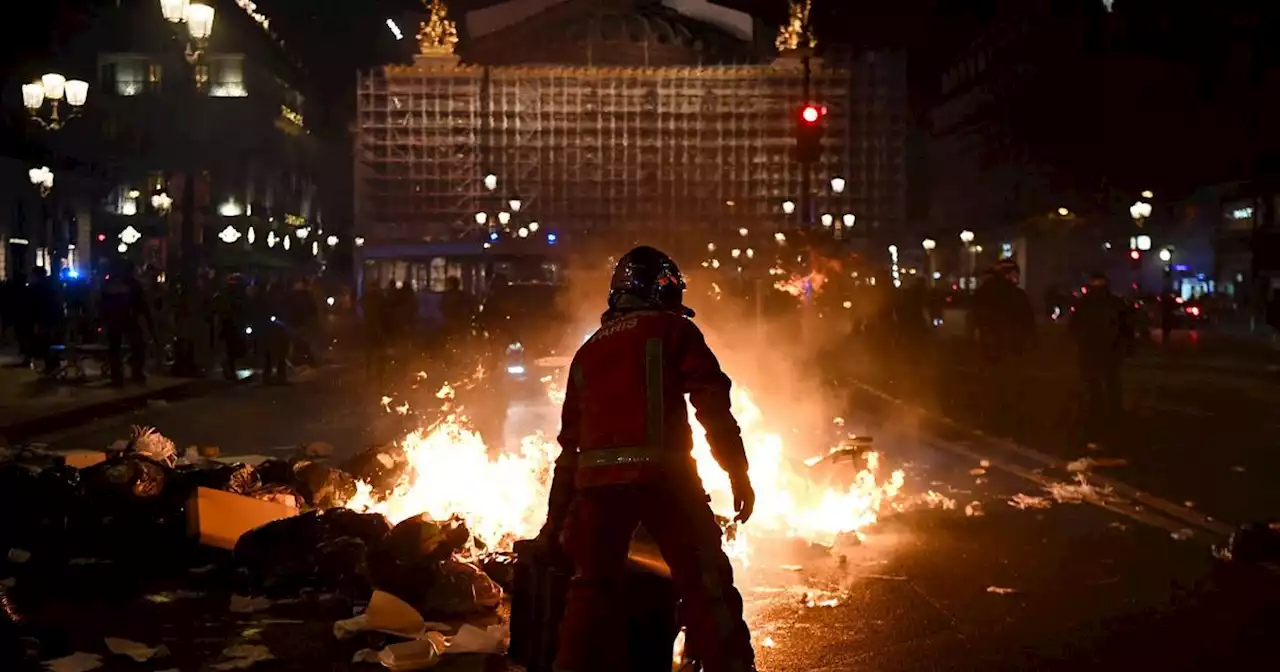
(502, 495)
(802, 285)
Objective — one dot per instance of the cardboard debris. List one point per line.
(242, 656)
(414, 655)
(81, 459)
(76, 662)
(471, 639)
(139, 652)
(219, 518)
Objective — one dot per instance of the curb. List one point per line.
(28, 428)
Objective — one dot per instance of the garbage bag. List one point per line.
(212, 475)
(501, 567)
(276, 472)
(285, 495)
(324, 486)
(128, 478)
(422, 539)
(381, 467)
(1255, 542)
(317, 549)
(460, 589)
(46, 499)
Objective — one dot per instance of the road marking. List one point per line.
(1184, 515)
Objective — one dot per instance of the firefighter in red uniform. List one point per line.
(626, 460)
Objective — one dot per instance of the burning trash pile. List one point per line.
(427, 525)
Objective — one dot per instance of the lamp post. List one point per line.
(54, 89)
(929, 246)
(42, 179)
(967, 237)
(198, 20)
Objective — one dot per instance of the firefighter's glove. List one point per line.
(744, 497)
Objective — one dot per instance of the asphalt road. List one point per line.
(1115, 580)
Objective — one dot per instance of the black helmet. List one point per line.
(651, 277)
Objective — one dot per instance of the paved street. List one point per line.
(1115, 579)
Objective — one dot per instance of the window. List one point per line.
(227, 74)
(124, 74)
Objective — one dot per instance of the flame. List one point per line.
(802, 285)
(502, 495)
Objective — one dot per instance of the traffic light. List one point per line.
(811, 124)
(1135, 258)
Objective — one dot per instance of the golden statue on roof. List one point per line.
(437, 35)
(796, 32)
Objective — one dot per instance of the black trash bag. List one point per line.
(459, 589)
(243, 480)
(1255, 542)
(187, 478)
(501, 567)
(46, 498)
(301, 552)
(323, 486)
(129, 512)
(276, 472)
(285, 495)
(421, 539)
(381, 467)
(128, 479)
(343, 564)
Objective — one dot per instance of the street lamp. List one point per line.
(161, 202)
(229, 235)
(332, 241)
(1063, 212)
(199, 20)
(490, 181)
(42, 177)
(1140, 211)
(967, 237)
(838, 184)
(482, 218)
(828, 220)
(533, 226)
(515, 204)
(788, 207)
(1166, 255)
(54, 88)
(929, 244)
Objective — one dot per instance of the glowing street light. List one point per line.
(332, 241)
(966, 236)
(515, 204)
(828, 220)
(1166, 255)
(54, 88)
(42, 177)
(849, 220)
(789, 207)
(130, 235)
(534, 226)
(1140, 211)
(838, 184)
(229, 235)
(199, 19)
(1146, 193)
(929, 244)
(490, 181)
(743, 232)
(1063, 212)
(161, 202)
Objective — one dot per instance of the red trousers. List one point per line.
(596, 537)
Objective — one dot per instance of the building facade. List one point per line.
(585, 126)
(231, 122)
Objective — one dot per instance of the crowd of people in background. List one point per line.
(132, 318)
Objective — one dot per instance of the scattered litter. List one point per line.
(173, 596)
(1222, 553)
(415, 655)
(977, 472)
(1024, 502)
(249, 605)
(1238, 469)
(18, 556)
(1118, 525)
(1183, 534)
(936, 500)
(1087, 463)
(76, 662)
(1075, 493)
(997, 590)
(243, 656)
(1189, 504)
(973, 510)
(140, 653)
(153, 444)
(985, 464)
(471, 639)
(365, 656)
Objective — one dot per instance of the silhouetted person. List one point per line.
(232, 308)
(1004, 324)
(1104, 337)
(124, 307)
(300, 315)
(273, 334)
(47, 319)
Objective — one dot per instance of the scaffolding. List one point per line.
(661, 150)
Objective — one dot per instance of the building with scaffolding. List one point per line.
(581, 126)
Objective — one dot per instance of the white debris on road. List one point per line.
(973, 510)
(76, 662)
(997, 590)
(139, 652)
(243, 656)
(1024, 502)
(1075, 493)
(248, 605)
(1183, 534)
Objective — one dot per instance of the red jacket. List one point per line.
(625, 419)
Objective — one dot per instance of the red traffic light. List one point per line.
(1135, 255)
(810, 114)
